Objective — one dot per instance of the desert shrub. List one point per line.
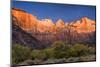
(60, 49)
(78, 50)
(58, 45)
(49, 52)
(71, 53)
(20, 53)
(38, 54)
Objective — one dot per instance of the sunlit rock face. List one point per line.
(45, 25)
(25, 20)
(60, 24)
(29, 22)
(85, 25)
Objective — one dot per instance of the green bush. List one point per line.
(38, 54)
(60, 49)
(71, 53)
(49, 52)
(58, 45)
(20, 53)
(82, 49)
(78, 50)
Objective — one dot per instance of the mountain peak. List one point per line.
(84, 25)
(60, 23)
(47, 22)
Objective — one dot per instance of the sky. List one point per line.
(54, 11)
